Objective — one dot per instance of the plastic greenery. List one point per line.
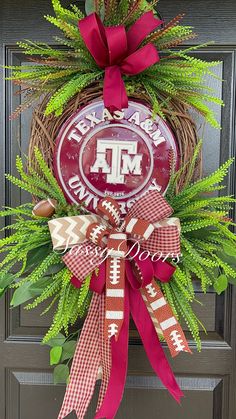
(61, 354)
(207, 244)
(39, 272)
(66, 69)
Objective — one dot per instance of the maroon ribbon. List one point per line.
(135, 305)
(118, 52)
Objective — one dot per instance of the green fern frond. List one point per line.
(75, 85)
(65, 14)
(41, 49)
(201, 186)
(185, 311)
(70, 31)
(83, 294)
(49, 176)
(25, 186)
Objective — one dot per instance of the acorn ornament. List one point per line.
(45, 208)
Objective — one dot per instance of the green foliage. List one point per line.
(61, 374)
(61, 354)
(68, 350)
(68, 90)
(58, 340)
(221, 284)
(5, 281)
(55, 355)
(42, 275)
(42, 186)
(29, 290)
(63, 73)
(84, 292)
(207, 244)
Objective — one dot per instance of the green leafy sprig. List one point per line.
(66, 69)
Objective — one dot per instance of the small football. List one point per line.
(45, 208)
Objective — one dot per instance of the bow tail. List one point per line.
(85, 365)
(162, 312)
(114, 92)
(119, 352)
(155, 322)
(105, 348)
(115, 296)
(152, 344)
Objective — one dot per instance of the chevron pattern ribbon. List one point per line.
(69, 231)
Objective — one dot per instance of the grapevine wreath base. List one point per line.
(44, 129)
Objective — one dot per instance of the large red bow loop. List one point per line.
(116, 51)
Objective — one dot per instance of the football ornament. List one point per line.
(45, 208)
(121, 154)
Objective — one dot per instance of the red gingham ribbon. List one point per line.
(92, 353)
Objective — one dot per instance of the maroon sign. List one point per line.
(123, 154)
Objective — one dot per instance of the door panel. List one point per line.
(208, 378)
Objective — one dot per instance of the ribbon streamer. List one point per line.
(116, 51)
(122, 287)
(85, 365)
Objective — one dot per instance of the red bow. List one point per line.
(117, 52)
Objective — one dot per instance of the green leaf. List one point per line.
(5, 281)
(231, 260)
(58, 340)
(53, 269)
(27, 291)
(60, 374)
(220, 284)
(229, 249)
(68, 350)
(35, 256)
(55, 355)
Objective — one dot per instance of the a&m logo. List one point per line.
(124, 160)
(123, 154)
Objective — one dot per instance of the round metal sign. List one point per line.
(122, 154)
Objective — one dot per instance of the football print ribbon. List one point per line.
(148, 222)
(118, 52)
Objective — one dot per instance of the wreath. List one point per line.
(189, 227)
